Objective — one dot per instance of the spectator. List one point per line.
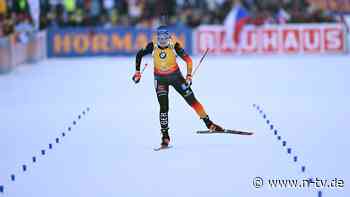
(69, 6)
(148, 13)
(21, 7)
(108, 5)
(2, 20)
(24, 27)
(3, 7)
(282, 17)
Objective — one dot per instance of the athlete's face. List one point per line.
(163, 39)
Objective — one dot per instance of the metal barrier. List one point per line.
(14, 52)
(6, 63)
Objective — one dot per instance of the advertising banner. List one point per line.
(77, 42)
(273, 39)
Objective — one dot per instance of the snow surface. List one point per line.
(109, 151)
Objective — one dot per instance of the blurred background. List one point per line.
(146, 13)
(22, 21)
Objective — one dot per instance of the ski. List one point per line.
(226, 131)
(162, 148)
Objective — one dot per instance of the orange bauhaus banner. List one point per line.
(274, 39)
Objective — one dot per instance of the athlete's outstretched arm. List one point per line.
(181, 52)
(142, 52)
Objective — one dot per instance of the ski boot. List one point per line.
(165, 137)
(212, 126)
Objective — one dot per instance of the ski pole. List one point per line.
(144, 68)
(200, 61)
(197, 67)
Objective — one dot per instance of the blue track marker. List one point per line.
(13, 177)
(303, 168)
(34, 159)
(2, 189)
(295, 158)
(24, 168)
(57, 140)
(319, 193)
(284, 142)
(50, 146)
(42, 152)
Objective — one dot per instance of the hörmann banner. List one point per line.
(76, 42)
(273, 39)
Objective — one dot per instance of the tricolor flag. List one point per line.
(234, 23)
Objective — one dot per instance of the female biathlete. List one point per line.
(166, 73)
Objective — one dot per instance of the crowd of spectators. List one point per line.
(15, 14)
